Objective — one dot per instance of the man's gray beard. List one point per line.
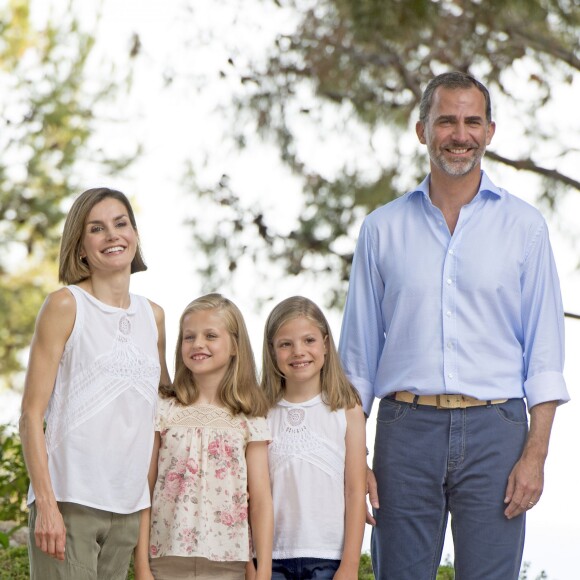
(457, 169)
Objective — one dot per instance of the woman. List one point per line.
(96, 360)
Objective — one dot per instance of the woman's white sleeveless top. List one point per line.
(306, 460)
(99, 421)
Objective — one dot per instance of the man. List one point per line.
(453, 317)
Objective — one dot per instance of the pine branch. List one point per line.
(529, 165)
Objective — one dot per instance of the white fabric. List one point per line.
(99, 421)
(306, 459)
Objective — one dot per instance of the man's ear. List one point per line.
(420, 130)
(490, 132)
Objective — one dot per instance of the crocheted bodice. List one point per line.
(99, 420)
(297, 441)
(307, 461)
(95, 384)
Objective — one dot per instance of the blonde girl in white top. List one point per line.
(96, 360)
(317, 457)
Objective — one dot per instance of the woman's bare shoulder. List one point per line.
(59, 308)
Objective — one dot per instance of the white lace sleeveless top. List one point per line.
(99, 421)
(306, 459)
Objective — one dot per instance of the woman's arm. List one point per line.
(141, 554)
(53, 327)
(354, 494)
(261, 510)
(160, 320)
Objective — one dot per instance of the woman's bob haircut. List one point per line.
(73, 269)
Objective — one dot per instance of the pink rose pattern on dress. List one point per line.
(237, 515)
(176, 479)
(200, 502)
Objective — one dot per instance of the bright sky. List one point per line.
(173, 125)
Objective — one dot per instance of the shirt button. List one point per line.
(449, 344)
(448, 313)
(450, 375)
(452, 252)
(440, 223)
(449, 281)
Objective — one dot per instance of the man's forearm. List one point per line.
(541, 421)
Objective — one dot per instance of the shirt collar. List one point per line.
(486, 185)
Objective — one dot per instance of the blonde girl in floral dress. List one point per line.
(317, 455)
(210, 454)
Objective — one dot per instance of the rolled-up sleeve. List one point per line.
(362, 336)
(543, 324)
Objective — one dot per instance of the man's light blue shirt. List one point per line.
(478, 312)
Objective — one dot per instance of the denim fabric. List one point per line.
(433, 462)
(304, 569)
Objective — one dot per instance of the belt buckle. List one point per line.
(450, 402)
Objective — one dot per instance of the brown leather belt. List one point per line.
(443, 401)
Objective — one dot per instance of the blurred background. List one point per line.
(252, 137)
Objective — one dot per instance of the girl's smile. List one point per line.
(207, 347)
(300, 351)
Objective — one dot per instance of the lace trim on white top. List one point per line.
(297, 441)
(202, 416)
(111, 374)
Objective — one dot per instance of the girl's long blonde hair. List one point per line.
(239, 390)
(337, 392)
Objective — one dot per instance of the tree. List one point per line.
(13, 484)
(48, 111)
(349, 74)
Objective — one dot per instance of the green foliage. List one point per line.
(365, 568)
(524, 573)
(14, 563)
(347, 75)
(14, 566)
(21, 294)
(13, 482)
(48, 112)
(446, 571)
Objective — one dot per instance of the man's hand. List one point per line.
(49, 531)
(525, 486)
(373, 496)
(526, 481)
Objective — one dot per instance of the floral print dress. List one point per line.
(200, 500)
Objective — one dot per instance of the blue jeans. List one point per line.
(430, 463)
(304, 568)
